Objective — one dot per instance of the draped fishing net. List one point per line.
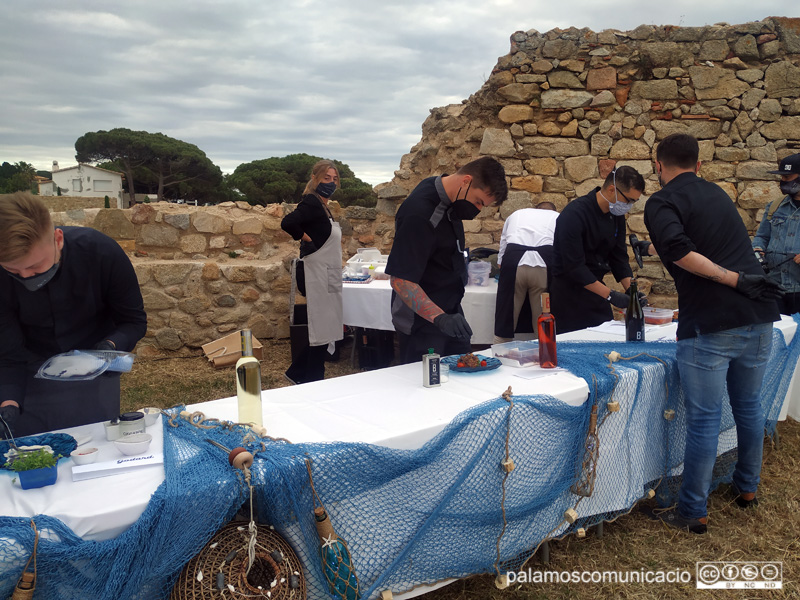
(479, 497)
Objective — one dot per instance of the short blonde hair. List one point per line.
(318, 171)
(24, 220)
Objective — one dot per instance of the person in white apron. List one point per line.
(319, 271)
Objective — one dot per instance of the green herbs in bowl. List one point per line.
(34, 459)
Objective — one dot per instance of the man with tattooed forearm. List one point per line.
(427, 263)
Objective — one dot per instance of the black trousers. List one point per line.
(789, 304)
(413, 346)
(308, 365)
(53, 405)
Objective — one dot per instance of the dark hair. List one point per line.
(488, 176)
(546, 205)
(678, 150)
(627, 178)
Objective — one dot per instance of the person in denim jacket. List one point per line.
(778, 237)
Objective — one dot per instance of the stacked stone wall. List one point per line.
(65, 203)
(560, 111)
(565, 107)
(206, 271)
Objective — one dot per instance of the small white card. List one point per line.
(121, 465)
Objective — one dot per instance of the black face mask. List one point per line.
(791, 188)
(462, 209)
(326, 189)
(37, 282)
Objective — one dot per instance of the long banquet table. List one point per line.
(369, 305)
(339, 409)
(387, 407)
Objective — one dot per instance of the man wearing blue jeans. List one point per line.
(727, 306)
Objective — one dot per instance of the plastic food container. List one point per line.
(657, 316)
(517, 353)
(479, 272)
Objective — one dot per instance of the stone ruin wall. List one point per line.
(207, 271)
(559, 111)
(564, 107)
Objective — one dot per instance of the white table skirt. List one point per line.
(370, 305)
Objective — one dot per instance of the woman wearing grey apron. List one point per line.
(319, 271)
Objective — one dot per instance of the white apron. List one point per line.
(323, 271)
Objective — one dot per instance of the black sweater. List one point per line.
(690, 214)
(310, 217)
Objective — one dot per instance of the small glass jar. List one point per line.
(131, 423)
(444, 372)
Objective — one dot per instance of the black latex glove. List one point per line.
(10, 414)
(453, 325)
(618, 299)
(105, 345)
(759, 287)
(642, 299)
(642, 247)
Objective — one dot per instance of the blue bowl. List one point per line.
(36, 478)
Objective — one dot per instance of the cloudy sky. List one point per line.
(249, 79)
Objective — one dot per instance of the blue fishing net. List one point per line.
(451, 508)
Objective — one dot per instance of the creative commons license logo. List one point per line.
(740, 575)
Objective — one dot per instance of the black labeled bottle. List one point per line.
(546, 327)
(248, 382)
(634, 316)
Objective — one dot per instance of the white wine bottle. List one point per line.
(248, 382)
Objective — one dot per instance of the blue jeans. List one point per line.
(706, 362)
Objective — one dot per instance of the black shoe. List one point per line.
(740, 500)
(289, 379)
(674, 519)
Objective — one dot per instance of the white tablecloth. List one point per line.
(370, 305)
(389, 407)
(615, 330)
(95, 509)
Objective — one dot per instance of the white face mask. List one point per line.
(617, 208)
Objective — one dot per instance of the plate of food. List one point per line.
(470, 363)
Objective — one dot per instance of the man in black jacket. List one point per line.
(61, 289)
(589, 243)
(727, 306)
(427, 262)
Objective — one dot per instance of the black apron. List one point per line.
(504, 308)
(53, 405)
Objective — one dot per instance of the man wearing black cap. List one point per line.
(778, 237)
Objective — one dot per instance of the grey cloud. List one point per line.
(248, 79)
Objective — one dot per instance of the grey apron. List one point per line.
(323, 271)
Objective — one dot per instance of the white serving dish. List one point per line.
(84, 456)
(134, 444)
(150, 415)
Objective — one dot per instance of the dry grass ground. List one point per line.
(631, 543)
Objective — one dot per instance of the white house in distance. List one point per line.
(84, 180)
